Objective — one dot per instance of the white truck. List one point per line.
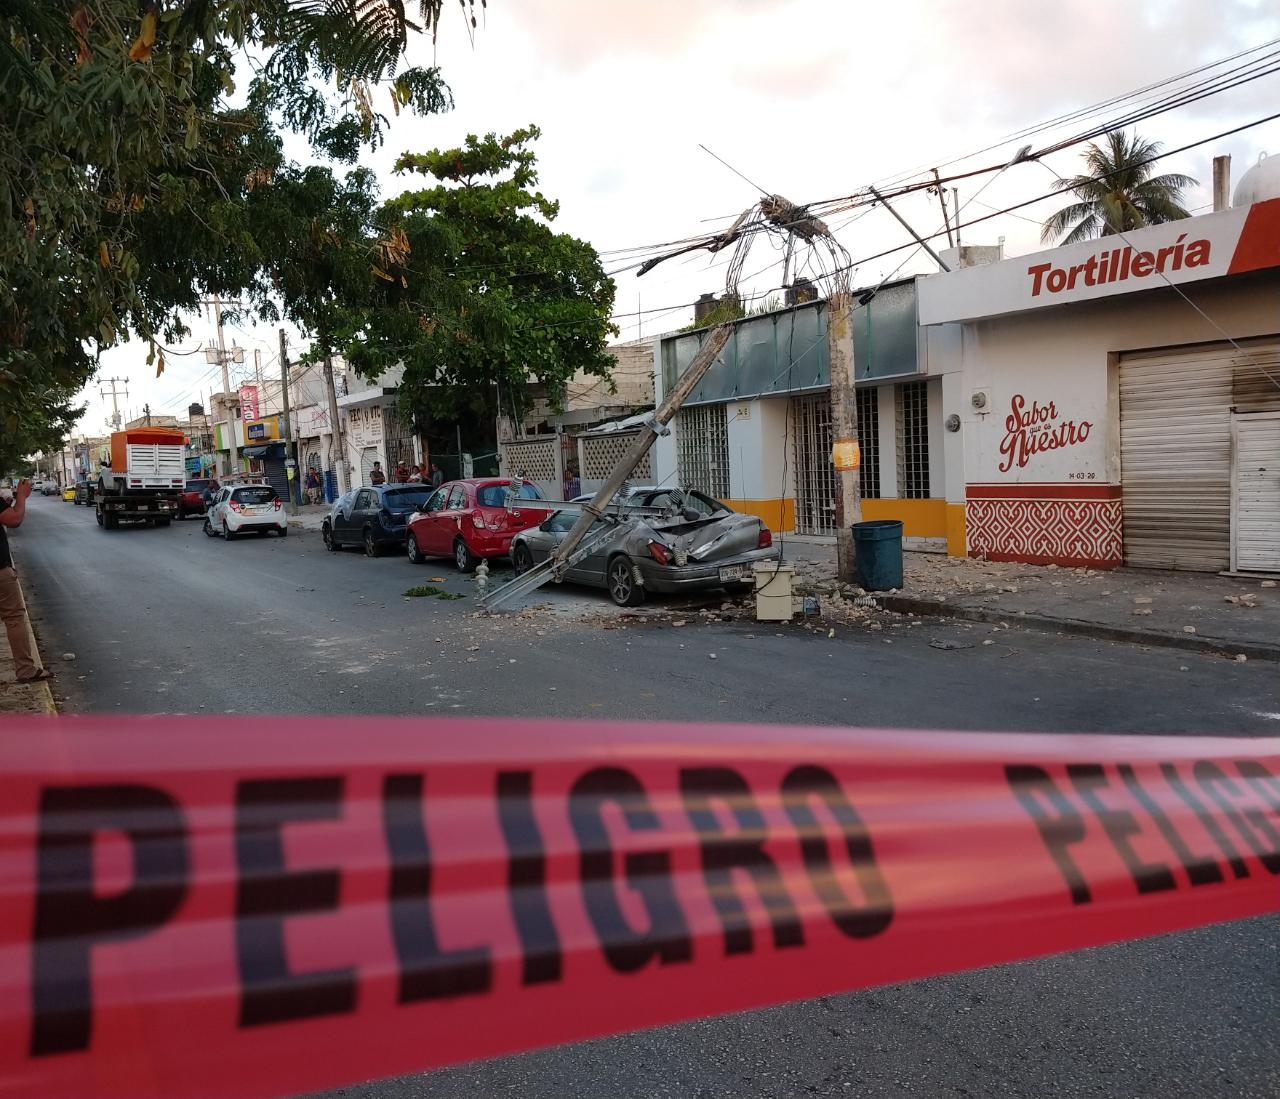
(143, 481)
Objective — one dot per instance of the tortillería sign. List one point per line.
(1212, 246)
(1119, 265)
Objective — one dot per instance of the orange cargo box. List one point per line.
(140, 436)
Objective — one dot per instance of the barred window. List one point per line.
(702, 450)
(869, 442)
(913, 440)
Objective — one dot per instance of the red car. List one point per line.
(468, 520)
(192, 500)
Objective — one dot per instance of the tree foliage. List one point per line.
(132, 177)
(484, 296)
(1117, 193)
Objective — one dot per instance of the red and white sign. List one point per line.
(1245, 238)
(249, 403)
(1029, 431)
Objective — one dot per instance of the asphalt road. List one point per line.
(168, 621)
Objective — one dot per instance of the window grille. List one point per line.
(913, 441)
(702, 450)
(869, 442)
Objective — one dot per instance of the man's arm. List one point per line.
(13, 515)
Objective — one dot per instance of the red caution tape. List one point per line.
(204, 907)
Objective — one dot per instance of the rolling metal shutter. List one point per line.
(1257, 491)
(1175, 458)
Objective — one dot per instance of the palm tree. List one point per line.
(1118, 193)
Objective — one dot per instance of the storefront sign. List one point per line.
(1031, 431)
(249, 402)
(364, 426)
(1244, 238)
(262, 431)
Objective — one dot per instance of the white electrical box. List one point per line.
(774, 581)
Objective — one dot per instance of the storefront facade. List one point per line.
(1118, 401)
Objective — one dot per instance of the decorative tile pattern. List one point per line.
(1040, 531)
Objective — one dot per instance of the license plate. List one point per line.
(249, 511)
(733, 572)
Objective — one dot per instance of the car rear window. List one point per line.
(405, 499)
(197, 486)
(257, 494)
(495, 496)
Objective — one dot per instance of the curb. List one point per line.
(42, 692)
(936, 608)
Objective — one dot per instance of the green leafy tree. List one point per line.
(1117, 193)
(483, 296)
(128, 173)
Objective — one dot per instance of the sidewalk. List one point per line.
(1184, 610)
(21, 698)
(310, 516)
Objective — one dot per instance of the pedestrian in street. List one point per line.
(437, 477)
(12, 608)
(377, 477)
(313, 484)
(402, 472)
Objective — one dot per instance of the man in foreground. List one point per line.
(12, 607)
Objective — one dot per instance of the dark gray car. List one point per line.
(689, 543)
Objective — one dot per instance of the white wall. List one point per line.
(1059, 359)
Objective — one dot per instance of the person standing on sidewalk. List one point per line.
(313, 485)
(12, 608)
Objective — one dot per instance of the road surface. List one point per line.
(169, 621)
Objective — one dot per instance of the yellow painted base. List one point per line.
(777, 515)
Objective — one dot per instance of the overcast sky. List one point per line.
(809, 99)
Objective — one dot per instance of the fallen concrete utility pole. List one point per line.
(650, 430)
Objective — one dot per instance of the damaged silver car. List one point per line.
(666, 540)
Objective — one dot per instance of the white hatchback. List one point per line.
(244, 509)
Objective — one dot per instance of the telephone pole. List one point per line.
(844, 422)
(339, 459)
(289, 453)
(115, 398)
(221, 356)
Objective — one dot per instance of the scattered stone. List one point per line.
(988, 641)
(1143, 610)
(711, 656)
(831, 633)
(1184, 668)
(949, 646)
(1241, 658)
(1188, 629)
(1231, 599)
(1268, 583)
(473, 648)
(68, 656)
(1143, 600)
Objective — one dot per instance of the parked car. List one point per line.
(375, 517)
(696, 544)
(83, 493)
(193, 499)
(245, 509)
(468, 520)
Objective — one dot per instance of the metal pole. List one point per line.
(918, 238)
(234, 461)
(339, 459)
(296, 480)
(942, 200)
(844, 422)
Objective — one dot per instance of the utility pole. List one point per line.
(289, 453)
(115, 398)
(339, 458)
(146, 412)
(942, 199)
(223, 358)
(915, 236)
(844, 422)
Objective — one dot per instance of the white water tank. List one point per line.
(1259, 183)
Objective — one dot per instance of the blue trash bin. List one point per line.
(877, 546)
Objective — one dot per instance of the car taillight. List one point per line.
(660, 553)
(477, 520)
(276, 505)
(234, 506)
(766, 538)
